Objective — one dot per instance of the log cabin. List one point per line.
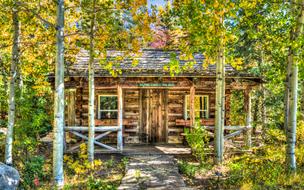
(145, 102)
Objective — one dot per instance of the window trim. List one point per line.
(100, 110)
(186, 105)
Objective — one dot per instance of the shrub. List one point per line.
(187, 168)
(80, 164)
(197, 139)
(33, 172)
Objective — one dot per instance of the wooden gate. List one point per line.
(154, 115)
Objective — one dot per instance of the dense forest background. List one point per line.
(258, 37)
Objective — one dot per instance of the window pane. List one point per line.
(108, 102)
(108, 114)
(200, 106)
(205, 107)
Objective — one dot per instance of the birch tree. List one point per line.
(115, 25)
(59, 99)
(91, 87)
(13, 70)
(203, 28)
(298, 11)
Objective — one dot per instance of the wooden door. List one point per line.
(154, 115)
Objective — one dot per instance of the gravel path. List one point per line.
(152, 172)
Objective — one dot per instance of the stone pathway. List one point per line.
(152, 172)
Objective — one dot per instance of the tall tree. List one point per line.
(91, 86)
(203, 29)
(13, 70)
(298, 11)
(59, 99)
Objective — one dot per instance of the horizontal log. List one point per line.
(229, 128)
(97, 129)
(182, 122)
(113, 122)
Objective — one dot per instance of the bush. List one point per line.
(197, 139)
(264, 170)
(187, 168)
(33, 172)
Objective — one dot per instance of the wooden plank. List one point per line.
(140, 120)
(120, 118)
(204, 122)
(97, 129)
(95, 142)
(192, 106)
(159, 117)
(71, 107)
(100, 136)
(166, 115)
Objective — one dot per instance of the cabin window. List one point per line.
(107, 107)
(201, 106)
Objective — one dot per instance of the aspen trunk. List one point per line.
(220, 106)
(292, 119)
(287, 91)
(59, 100)
(120, 118)
(247, 104)
(11, 100)
(255, 115)
(302, 101)
(91, 91)
(262, 89)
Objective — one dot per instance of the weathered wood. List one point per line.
(192, 106)
(145, 118)
(140, 120)
(97, 129)
(160, 129)
(71, 114)
(113, 122)
(100, 136)
(120, 118)
(95, 142)
(204, 122)
(166, 115)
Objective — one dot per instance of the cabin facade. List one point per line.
(146, 103)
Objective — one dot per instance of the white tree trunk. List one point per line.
(287, 91)
(292, 119)
(59, 100)
(220, 106)
(91, 91)
(11, 100)
(247, 104)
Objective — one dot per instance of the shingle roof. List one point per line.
(150, 63)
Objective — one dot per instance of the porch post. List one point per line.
(247, 108)
(192, 106)
(119, 118)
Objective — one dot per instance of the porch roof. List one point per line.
(151, 62)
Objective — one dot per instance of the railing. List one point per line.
(237, 130)
(105, 131)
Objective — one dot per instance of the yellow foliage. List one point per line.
(300, 131)
(246, 186)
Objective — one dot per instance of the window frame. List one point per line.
(99, 110)
(187, 97)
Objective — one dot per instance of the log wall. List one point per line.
(134, 102)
